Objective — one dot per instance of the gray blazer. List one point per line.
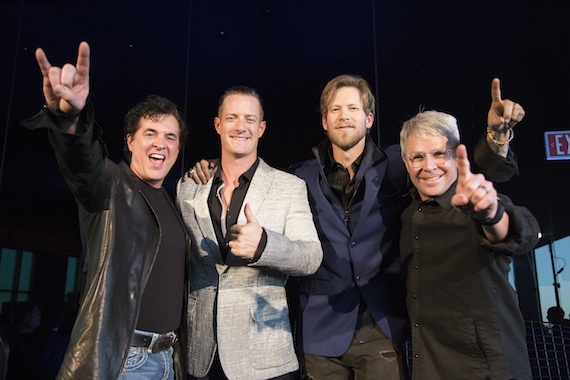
(238, 307)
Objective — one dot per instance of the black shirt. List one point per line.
(342, 186)
(350, 193)
(463, 311)
(163, 296)
(215, 205)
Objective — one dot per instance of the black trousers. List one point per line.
(217, 373)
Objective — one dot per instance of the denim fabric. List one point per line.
(142, 365)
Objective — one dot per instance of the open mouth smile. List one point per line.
(156, 156)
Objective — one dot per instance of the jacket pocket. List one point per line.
(271, 342)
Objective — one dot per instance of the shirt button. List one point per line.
(357, 278)
(415, 267)
(352, 243)
(416, 324)
(224, 276)
(416, 237)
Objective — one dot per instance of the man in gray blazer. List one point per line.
(251, 226)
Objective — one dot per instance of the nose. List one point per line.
(159, 142)
(241, 124)
(429, 163)
(343, 114)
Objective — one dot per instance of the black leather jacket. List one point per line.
(120, 236)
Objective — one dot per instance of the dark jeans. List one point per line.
(364, 360)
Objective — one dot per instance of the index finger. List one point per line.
(43, 61)
(83, 55)
(463, 164)
(496, 90)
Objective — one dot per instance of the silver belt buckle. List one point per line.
(162, 342)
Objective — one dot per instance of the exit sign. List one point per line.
(557, 144)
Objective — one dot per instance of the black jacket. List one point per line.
(120, 235)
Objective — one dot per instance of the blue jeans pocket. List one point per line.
(136, 359)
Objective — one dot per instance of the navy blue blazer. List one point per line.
(366, 262)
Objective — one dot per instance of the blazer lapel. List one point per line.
(373, 168)
(260, 183)
(204, 221)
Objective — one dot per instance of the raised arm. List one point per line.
(503, 115)
(66, 88)
(493, 155)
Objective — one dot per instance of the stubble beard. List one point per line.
(346, 141)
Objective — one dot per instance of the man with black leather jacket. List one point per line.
(134, 241)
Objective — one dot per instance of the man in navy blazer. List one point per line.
(352, 310)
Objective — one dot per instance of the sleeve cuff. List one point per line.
(495, 167)
(260, 247)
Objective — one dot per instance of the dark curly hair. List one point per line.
(152, 107)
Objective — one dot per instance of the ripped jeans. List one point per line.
(371, 355)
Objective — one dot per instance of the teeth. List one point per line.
(157, 156)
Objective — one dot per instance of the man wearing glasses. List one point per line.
(457, 242)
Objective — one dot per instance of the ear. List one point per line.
(369, 120)
(130, 142)
(262, 127)
(324, 123)
(407, 165)
(217, 123)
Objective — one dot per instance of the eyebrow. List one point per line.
(172, 134)
(244, 115)
(348, 105)
(436, 150)
(150, 129)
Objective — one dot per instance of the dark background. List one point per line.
(437, 54)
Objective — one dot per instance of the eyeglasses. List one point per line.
(417, 160)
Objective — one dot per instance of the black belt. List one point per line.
(367, 328)
(154, 342)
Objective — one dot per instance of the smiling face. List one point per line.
(346, 123)
(154, 147)
(240, 126)
(430, 179)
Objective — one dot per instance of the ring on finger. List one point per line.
(484, 188)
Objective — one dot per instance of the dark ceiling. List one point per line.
(439, 54)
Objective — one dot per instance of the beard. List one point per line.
(346, 141)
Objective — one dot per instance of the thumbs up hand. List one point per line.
(243, 239)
